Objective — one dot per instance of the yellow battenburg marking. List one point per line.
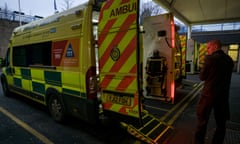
(25, 84)
(17, 71)
(71, 78)
(59, 89)
(37, 74)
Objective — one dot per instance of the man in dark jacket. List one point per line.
(216, 72)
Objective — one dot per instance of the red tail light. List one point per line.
(91, 83)
(172, 34)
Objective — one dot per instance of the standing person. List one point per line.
(216, 72)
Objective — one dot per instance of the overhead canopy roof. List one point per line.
(195, 12)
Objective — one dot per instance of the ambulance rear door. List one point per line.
(119, 66)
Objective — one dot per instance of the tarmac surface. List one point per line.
(185, 125)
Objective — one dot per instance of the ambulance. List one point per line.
(97, 59)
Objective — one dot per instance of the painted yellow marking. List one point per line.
(193, 94)
(26, 127)
(179, 104)
(172, 120)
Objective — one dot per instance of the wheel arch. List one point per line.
(51, 94)
(52, 91)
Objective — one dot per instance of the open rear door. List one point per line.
(121, 71)
(118, 58)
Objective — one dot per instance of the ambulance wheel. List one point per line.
(56, 108)
(5, 88)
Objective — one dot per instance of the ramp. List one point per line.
(153, 130)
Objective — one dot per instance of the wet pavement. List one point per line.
(185, 125)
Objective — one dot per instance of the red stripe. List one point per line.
(135, 103)
(105, 31)
(123, 110)
(125, 1)
(125, 55)
(123, 30)
(123, 59)
(106, 80)
(136, 96)
(127, 80)
(107, 105)
(105, 7)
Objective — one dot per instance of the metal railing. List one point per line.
(17, 16)
(217, 27)
(235, 26)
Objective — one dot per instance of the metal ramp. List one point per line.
(153, 130)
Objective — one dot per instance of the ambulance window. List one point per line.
(40, 54)
(7, 60)
(97, 4)
(34, 54)
(19, 56)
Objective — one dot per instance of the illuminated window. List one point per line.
(233, 52)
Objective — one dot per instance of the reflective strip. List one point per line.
(117, 54)
(38, 81)
(123, 66)
(202, 53)
(183, 41)
(118, 38)
(125, 83)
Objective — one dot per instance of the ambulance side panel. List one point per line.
(55, 57)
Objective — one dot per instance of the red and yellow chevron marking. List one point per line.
(183, 41)
(202, 53)
(117, 52)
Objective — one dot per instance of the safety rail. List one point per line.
(17, 16)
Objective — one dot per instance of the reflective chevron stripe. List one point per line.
(202, 53)
(118, 57)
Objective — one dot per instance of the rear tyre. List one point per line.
(56, 108)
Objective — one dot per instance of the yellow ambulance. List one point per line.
(91, 58)
(52, 61)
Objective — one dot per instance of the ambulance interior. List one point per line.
(161, 57)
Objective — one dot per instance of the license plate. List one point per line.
(123, 100)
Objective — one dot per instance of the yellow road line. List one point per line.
(172, 120)
(180, 103)
(26, 127)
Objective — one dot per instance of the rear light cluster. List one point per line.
(91, 83)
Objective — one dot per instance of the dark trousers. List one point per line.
(203, 113)
(218, 137)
